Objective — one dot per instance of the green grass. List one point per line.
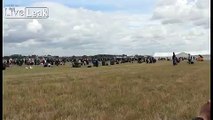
(120, 92)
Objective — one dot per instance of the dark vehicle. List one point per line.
(76, 64)
(47, 65)
(150, 59)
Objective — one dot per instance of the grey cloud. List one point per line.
(171, 21)
(203, 22)
(156, 15)
(181, 12)
(203, 4)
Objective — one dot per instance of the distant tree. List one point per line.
(14, 56)
(84, 56)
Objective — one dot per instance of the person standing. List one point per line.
(174, 59)
(189, 59)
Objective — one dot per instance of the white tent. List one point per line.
(162, 54)
(182, 54)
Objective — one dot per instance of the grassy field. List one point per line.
(158, 91)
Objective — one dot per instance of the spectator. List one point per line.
(174, 59)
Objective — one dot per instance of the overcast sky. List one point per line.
(89, 27)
